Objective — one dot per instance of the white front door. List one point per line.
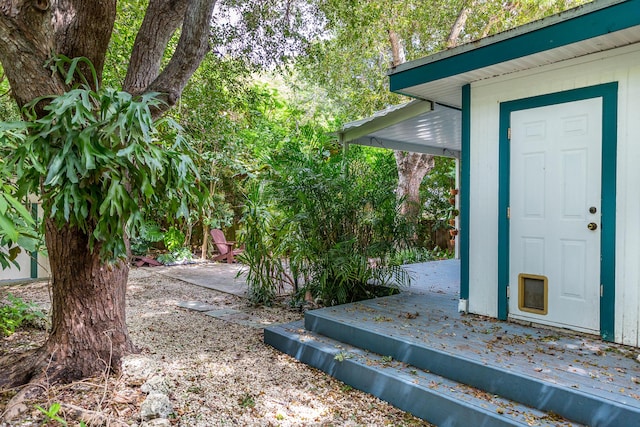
(554, 227)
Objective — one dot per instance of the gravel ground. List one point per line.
(215, 372)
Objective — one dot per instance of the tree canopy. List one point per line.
(352, 59)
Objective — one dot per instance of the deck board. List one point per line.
(562, 357)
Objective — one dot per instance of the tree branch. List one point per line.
(458, 26)
(83, 28)
(397, 52)
(162, 19)
(192, 47)
(26, 43)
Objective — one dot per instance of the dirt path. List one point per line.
(216, 371)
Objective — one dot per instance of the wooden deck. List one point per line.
(416, 351)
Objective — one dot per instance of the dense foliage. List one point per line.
(259, 152)
(351, 61)
(105, 162)
(316, 223)
(17, 227)
(15, 313)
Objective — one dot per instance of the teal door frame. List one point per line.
(609, 94)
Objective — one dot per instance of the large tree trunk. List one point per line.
(412, 167)
(89, 331)
(88, 326)
(89, 334)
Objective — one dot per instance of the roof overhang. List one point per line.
(432, 123)
(594, 27)
(417, 126)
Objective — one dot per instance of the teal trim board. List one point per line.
(596, 23)
(464, 192)
(504, 172)
(34, 254)
(609, 94)
(609, 183)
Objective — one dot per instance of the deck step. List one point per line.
(435, 398)
(555, 396)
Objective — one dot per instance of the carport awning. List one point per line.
(417, 126)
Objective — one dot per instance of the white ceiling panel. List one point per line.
(424, 128)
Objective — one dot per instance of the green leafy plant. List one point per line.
(325, 232)
(410, 255)
(149, 233)
(52, 413)
(17, 227)
(247, 401)
(264, 233)
(178, 255)
(16, 313)
(434, 192)
(439, 253)
(173, 239)
(99, 161)
(342, 356)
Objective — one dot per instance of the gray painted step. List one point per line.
(591, 409)
(436, 399)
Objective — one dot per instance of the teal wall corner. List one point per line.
(465, 199)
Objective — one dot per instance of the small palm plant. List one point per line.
(327, 233)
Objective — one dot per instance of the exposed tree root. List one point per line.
(36, 370)
(19, 369)
(88, 416)
(16, 406)
(29, 371)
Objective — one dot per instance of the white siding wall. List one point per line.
(621, 65)
(483, 242)
(24, 260)
(24, 272)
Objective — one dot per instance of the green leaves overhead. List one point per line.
(98, 161)
(352, 60)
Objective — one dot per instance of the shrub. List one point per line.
(411, 256)
(173, 239)
(322, 231)
(149, 234)
(16, 313)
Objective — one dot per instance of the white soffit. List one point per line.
(418, 126)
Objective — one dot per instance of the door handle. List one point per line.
(592, 226)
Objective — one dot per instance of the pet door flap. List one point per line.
(532, 293)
